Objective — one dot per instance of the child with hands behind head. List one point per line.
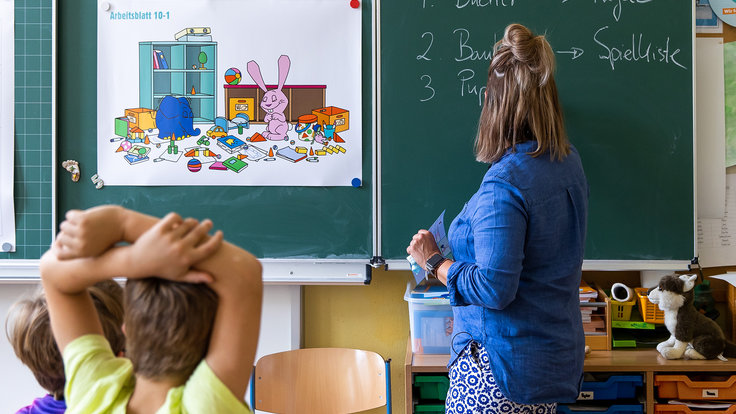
(29, 331)
(192, 313)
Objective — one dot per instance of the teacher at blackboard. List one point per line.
(518, 343)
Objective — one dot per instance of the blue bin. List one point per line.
(614, 409)
(614, 388)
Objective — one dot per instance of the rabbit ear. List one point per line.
(255, 72)
(284, 65)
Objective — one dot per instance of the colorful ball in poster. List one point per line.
(194, 165)
(232, 76)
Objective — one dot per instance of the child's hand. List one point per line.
(89, 233)
(170, 248)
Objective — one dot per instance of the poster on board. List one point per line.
(229, 92)
(7, 130)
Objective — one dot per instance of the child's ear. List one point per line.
(689, 282)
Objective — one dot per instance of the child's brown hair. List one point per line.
(29, 331)
(168, 326)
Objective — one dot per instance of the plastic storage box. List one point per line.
(613, 388)
(614, 409)
(621, 311)
(430, 322)
(432, 387)
(683, 388)
(429, 408)
(684, 409)
(649, 311)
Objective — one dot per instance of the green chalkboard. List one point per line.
(271, 222)
(33, 167)
(625, 78)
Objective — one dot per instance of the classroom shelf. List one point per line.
(184, 72)
(644, 361)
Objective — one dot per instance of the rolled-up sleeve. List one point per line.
(498, 220)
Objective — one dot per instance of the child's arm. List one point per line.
(239, 287)
(87, 233)
(167, 250)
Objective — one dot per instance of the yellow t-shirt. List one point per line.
(98, 382)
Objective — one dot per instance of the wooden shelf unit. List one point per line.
(648, 362)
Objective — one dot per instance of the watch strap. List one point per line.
(433, 263)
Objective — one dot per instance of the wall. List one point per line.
(373, 317)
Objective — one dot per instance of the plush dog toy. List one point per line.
(692, 334)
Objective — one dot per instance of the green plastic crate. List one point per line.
(429, 408)
(432, 387)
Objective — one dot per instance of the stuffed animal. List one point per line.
(692, 334)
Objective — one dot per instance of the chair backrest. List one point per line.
(320, 380)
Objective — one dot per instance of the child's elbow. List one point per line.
(251, 272)
(255, 270)
(48, 263)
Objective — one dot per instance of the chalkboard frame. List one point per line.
(394, 259)
(25, 269)
(350, 268)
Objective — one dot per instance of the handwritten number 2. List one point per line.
(427, 86)
(431, 40)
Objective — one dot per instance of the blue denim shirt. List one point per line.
(518, 248)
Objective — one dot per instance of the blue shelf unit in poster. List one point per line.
(174, 68)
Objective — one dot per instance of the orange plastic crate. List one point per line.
(683, 388)
(683, 409)
(649, 311)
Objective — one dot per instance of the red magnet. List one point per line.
(354, 4)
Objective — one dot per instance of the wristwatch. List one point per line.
(433, 263)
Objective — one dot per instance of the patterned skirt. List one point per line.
(473, 388)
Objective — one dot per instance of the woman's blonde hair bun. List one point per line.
(519, 44)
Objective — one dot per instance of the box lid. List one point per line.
(427, 295)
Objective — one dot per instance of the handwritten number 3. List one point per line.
(429, 82)
(431, 40)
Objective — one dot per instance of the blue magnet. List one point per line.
(356, 182)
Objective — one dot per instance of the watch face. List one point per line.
(433, 261)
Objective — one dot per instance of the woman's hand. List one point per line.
(422, 247)
(170, 248)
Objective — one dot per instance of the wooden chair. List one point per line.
(321, 380)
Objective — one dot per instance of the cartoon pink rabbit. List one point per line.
(274, 101)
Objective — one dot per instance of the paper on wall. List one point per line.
(152, 51)
(711, 128)
(7, 116)
(716, 243)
